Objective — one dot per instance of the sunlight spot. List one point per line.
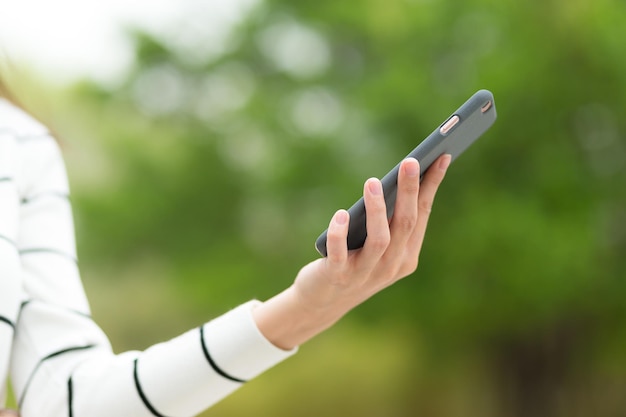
(316, 112)
(224, 90)
(159, 90)
(295, 49)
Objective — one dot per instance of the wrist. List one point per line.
(287, 321)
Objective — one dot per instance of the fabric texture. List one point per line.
(60, 362)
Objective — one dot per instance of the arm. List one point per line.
(62, 363)
(328, 288)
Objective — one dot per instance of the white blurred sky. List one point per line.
(66, 39)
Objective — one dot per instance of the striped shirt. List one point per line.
(60, 362)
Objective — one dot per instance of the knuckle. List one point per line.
(411, 187)
(336, 258)
(334, 235)
(425, 205)
(434, 177)
(379, 207)
(379, 243)
(338, 280)
(408, 268)
(406, 223)
(411, 266)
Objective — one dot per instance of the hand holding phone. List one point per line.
(452, 137)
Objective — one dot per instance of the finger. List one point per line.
(404, 218)
(336, 238)
(377, 224)
(430, 184)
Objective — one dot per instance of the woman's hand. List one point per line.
(328, 288)
(8, 413)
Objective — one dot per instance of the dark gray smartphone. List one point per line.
(452, 137)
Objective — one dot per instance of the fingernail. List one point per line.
(445, 162)
(341, 217)
(411, 167)
(375, 186)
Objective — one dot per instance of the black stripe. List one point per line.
(80, 313)
(7, 321)
(77, 312)
(54, 194)
(6, 179)
(212, 362)
(66, 350)
(70, 395)
(25, 303)
(50, 356)
(7, 240)
(29, 251)
(141, 393)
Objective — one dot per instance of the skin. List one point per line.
(328, 288)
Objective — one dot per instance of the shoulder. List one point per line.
(28, 153)
(14, 121)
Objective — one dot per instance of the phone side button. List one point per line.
(449, 124)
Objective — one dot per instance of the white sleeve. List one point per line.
(10, 281)
(62, 363)
(62, 371)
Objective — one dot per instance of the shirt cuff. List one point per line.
(237, 347)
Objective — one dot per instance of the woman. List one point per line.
(61, 363)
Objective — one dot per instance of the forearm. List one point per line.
(180, 377)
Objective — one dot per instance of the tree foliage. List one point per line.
(222, 168)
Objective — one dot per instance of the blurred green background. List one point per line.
(203, 178)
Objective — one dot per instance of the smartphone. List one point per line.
(452, 137)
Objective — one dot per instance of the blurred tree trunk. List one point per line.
(534, 371)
